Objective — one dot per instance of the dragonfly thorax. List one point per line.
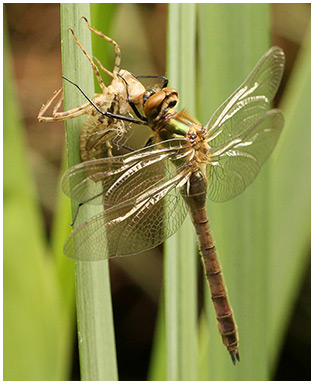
(197, 136)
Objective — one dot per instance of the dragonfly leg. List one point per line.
(102, 67)
(56, 115)
(95, 69)
(109, 148)
(116, 67)
(81, 204)
(105, 113)
(150, 141)
(76, 214)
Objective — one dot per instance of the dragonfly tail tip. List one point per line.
(234, 357)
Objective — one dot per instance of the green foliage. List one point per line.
(103, 16)
(38, 279)
(180, 261)
(232, 39)
(93, 297)
(290, 201)
(38, 316)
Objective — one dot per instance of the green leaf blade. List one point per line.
(232, 39)
(94, 311)
(180, 255)
(291, 200)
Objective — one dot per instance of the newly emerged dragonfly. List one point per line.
(147, 193)
(99, 130)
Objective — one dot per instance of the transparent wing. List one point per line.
(114, 180)
(236, 163)
(136, 225)
(95, 135)
(241, 133)
(249, 102)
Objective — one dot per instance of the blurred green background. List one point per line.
(39, 316)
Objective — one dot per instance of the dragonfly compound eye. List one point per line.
(153, 105)
(160, 102)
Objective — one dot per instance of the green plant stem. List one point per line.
(232, 39)
(34, 337)
(291, 201)
(180, 257)
(94, 311)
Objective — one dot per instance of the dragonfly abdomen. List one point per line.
(219, 295)
(196, 200)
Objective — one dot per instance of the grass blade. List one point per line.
(94, 312)
(180, 260)
(232, 39)
(32, 329)
(291, 199)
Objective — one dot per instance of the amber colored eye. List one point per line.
(153, 104)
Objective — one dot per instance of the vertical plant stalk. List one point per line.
(180, 256)
(291, 227)
(32, 307)
(232, 39)
(94, 310)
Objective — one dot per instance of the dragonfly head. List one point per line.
(157, 104)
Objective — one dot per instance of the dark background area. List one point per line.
(34, 31)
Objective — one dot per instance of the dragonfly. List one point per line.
(100, 130)
(146, 194)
